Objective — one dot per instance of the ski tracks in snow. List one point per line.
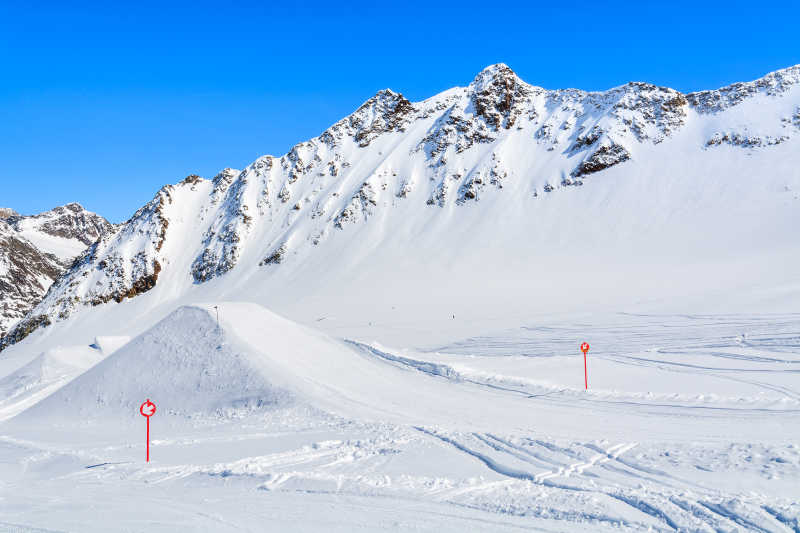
(568, 478)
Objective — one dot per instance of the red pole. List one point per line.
(585, 378)
(148, 439)
(148, 409)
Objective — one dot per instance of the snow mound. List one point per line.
(195, 370)
(185, 364)
(42, 376)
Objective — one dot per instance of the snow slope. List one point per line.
(50, 371)
(264, 414)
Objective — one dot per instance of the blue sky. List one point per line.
(103, 104)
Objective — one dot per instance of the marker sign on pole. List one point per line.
(584, 349)
(148, 409)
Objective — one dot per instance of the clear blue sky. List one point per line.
(103, 104)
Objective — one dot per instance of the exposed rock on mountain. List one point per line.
(35, 250)
(773, 84)
(70, 222)
(25, 274)
(604, 157)
(123, 264)
(499, 96)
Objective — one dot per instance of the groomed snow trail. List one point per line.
(491, 433)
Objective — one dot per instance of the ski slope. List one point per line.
(492, 432)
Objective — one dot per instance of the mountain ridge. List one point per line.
(456, 148)
(36, 249)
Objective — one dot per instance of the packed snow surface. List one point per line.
(690, 423)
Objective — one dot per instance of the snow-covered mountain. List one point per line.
(64, 231)
(35, 250)
(381, 328)
(495, 181)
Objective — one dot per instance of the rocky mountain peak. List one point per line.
(384, 112)
(70, 221)
(25, 274)
(492, 75)
(498, 95)
(75, 207)
(191, 179)
(225, 175)
(35, 250)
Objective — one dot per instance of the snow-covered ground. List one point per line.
(691, 423)
(401, 303)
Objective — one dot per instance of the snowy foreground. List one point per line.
(691, 423)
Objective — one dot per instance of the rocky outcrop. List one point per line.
(117, 266)
(23, 329)
(499, 96)
(222, 241)
(360, 207)
(604, 157)
(385, 112)
(773, 84)
(744, 140)
(70, 221)
(276, 257)
(28, 270)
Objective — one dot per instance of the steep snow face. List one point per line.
(500, 181)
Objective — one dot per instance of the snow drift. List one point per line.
(185, 364)
(43, 375)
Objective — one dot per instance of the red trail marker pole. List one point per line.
(584, 349)
(148, 409)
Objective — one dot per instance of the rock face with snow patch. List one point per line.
(35, 250)
(119, 265)
(25, 274)
(773, 84)
(69, 222)
(492, 139)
